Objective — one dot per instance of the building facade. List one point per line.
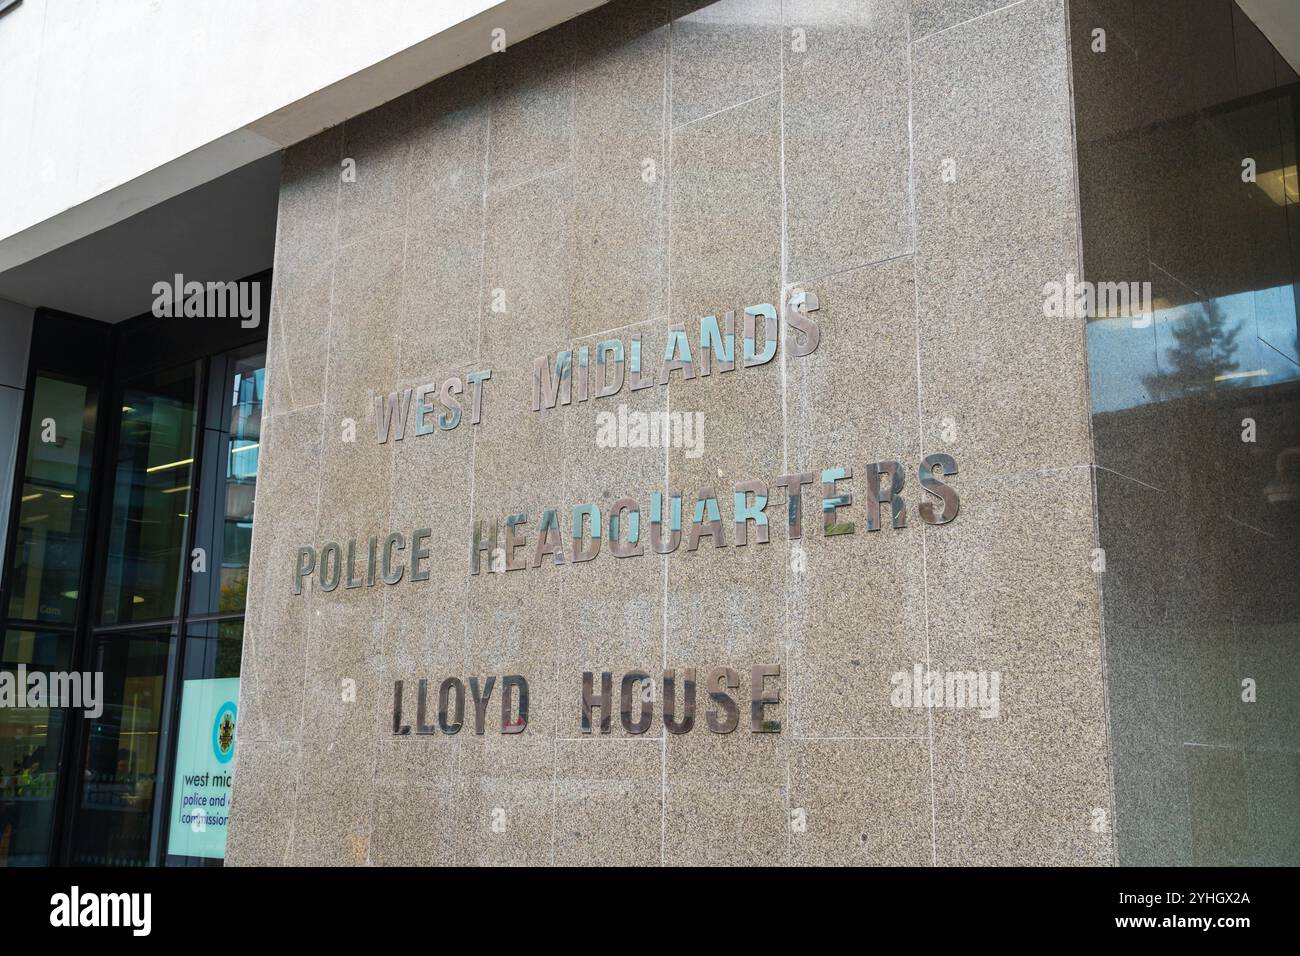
(751, 431)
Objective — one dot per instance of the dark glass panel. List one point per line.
(151, 498)
(232, 447)
(31, 742)
(44, 578)
(213, 649)
(1196, 429)
(119, 750)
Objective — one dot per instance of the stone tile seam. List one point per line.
(555, 661)
(1267, 534)
(666, 214)
(1136, 481)
(1120, 474)
(473, 448)
(1278, 351)
(920, 414)
(501, 191)
(967, 23)
(733, 106)
(795, 679)
(1186, 285)
(916, 347)
(392, 473)
(648, 320)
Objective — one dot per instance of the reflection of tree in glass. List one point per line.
(234, 592)
(230, 646)
(1203, 350)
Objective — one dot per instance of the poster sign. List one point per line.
(205, 749)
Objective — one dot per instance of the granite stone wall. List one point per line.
(912, 164)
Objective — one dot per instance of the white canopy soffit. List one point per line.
(104, 121)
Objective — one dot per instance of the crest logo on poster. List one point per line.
(223, 732)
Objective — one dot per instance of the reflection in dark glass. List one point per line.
(232, 446)
(213, 649)
(31, 740)
(119, 751)
(151, 498)
(1197, 351)
(1196, 428)
(44, 579)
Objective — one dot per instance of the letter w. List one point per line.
(390, 415)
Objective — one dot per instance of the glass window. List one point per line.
(44, 581)
(1196, 436)
(120, 752)
(232, 448)
(31, 743)
(213, 649)
(151, 498)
